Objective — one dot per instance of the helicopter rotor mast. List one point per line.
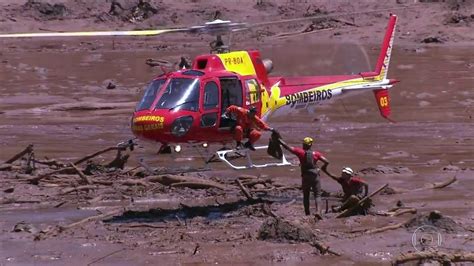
(218, 28)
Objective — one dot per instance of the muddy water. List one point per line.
(432, 107)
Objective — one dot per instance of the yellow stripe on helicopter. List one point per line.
(275, 101)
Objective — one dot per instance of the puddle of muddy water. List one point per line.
(44, 216)
(162, 215)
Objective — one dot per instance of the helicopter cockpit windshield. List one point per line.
(180, 94)
(150, 94)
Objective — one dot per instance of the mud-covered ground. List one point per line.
(53, 95)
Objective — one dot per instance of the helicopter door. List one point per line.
(253, 93)
(210, 105)
(231, 94)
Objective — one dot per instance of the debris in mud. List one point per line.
(24, 227)
(119, 161)
(9, 190)
(458, 18)
(436, 219)
(312, 11)
(386, 170)
(432, 40)
(160, 62)
(138, 12)
(110, 84)
(142, 11)
(116, 8)
(389, 191)
(263, 5)
(442, 257)
(451, 168)
(277, 229)
(45, 10)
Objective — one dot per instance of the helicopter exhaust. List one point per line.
(268, 64)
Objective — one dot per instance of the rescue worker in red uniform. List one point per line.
(354, 188)
(248, 125)
(309, 172)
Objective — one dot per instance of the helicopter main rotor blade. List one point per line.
(91, 33)
(216, 27)
(324, 16)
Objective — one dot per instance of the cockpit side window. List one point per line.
(180, 94)
(150, 94)
(211, 96)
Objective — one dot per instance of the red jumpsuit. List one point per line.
(246, 126)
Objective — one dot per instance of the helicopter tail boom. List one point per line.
(289, 93)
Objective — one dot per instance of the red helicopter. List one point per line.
(187, 106)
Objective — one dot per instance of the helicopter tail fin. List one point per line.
(381, 95)
(381, 70)
(384, 57)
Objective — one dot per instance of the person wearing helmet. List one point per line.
(354, 188)
(351, 185)
(309, 172)
(248, 125)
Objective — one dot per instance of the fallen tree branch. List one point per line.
(90, 156)
(244, 190)
(50, 162)
(197, 185)
(58, 229)
(105, 256)
(388, 227)
(35, 180)
(435, 255)
(102, 182)
(437, 185)
(360, 202)
(79, 188)
(444, 184)
(345, 22)
(323, 248)
(81, 174)
(403, 211)
(385, 228)
(138, 225)
(172, 180)
(17, 156)
(398, 211)
(134, 182)
(250, 183)
(93, 218)
(5, 167)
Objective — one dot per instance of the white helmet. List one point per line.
(348, 171)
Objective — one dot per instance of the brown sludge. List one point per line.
(87, 200)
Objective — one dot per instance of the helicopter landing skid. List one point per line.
(223, 155)
(214, 158)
